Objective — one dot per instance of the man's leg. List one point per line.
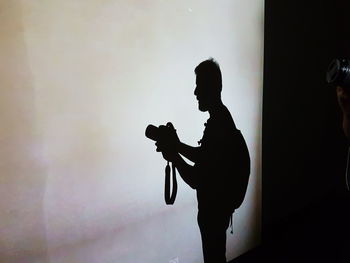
(213, 226)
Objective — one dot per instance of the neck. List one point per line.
(216, 108)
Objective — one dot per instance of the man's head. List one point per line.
(208, 84)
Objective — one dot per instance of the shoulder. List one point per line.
(224, 121)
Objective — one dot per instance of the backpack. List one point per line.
(223, 169)
(238, 183)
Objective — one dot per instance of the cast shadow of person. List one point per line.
(221, 163)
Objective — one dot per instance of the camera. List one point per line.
(161, 133)
(338, 73)
(165, 133)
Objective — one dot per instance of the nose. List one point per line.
(195, 91)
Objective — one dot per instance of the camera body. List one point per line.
(161, 133)
(338, 73)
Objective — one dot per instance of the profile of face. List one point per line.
(204, 93)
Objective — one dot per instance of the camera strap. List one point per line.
(347, 172)
(170, 199)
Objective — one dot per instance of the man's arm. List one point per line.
(187, 172)
(172, 142)
(190, 152)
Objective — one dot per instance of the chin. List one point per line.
(203, 109)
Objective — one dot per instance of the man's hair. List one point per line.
(210, 70)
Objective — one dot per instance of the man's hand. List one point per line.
(168, 150)
(170, 155)
(344, 103)
(172, 137)
(168, 140)
(168, 143)
(344, 100)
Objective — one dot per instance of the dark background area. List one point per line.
(305, 203)
(304, 150)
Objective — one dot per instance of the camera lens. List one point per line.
(338, 72)
(152, 132)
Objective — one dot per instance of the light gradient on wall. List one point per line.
(80, 81)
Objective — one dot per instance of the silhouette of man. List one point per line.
(221, 163)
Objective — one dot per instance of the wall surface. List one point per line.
(80, 81)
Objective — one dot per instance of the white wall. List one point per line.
(80, 81)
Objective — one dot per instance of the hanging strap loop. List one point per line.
(170, 199)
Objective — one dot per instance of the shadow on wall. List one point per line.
(23, 177)
(221, 163)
